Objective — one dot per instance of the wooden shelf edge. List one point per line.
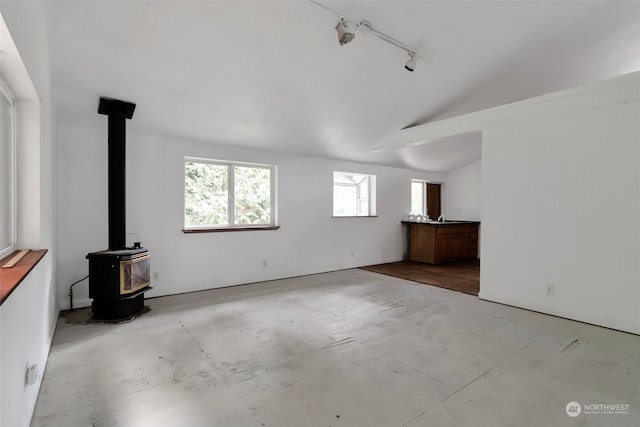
(10, 278)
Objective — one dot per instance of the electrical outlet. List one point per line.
(353, 254)
(31, 374)
(156, 276)
(264, 263)
(550, 289)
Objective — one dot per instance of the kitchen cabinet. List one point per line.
(438, 243)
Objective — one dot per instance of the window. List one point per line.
(425, 198)
(353, 194)
(7, 172)
(418, 205)
(221, 194)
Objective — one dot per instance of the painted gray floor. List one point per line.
(349, 348)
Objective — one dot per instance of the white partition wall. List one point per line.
(561, 208)
(309, 240)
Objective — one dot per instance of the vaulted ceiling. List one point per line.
(271, 74)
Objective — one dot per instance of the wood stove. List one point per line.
(120, 275)
(117, 282)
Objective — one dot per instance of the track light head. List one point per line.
(411, 63)
(345, 35)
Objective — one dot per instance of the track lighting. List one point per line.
(345, 35)
(411, 63)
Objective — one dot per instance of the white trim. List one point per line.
(6, 93)
(612, 91)
(225, 162)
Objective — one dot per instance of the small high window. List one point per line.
(353, 194)
(418, 197)
(425, 198)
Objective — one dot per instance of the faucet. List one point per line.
(441, 217)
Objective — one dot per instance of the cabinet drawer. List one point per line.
(454, 229)
(461, 229)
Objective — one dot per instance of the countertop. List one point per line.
(448, 222)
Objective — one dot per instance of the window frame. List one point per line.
(231, 226)
(371, 195)
(12, 173)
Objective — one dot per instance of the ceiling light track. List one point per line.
(346, 35)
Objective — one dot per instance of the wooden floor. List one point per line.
(461, 276)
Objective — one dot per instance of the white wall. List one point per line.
(27, 321)
(463, 188)
(309, 240)
(28, 316)
(561, 202)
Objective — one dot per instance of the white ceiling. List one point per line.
(271, 75)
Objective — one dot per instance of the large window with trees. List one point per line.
(222, 194)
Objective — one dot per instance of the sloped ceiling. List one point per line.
(271, 75)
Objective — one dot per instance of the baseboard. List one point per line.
(86, 302)
(77, 303)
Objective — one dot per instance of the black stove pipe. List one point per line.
(118, 112)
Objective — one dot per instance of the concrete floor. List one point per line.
(349, 348)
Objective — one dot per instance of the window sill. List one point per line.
(10, 278)
(225, 229)
(355, 216)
